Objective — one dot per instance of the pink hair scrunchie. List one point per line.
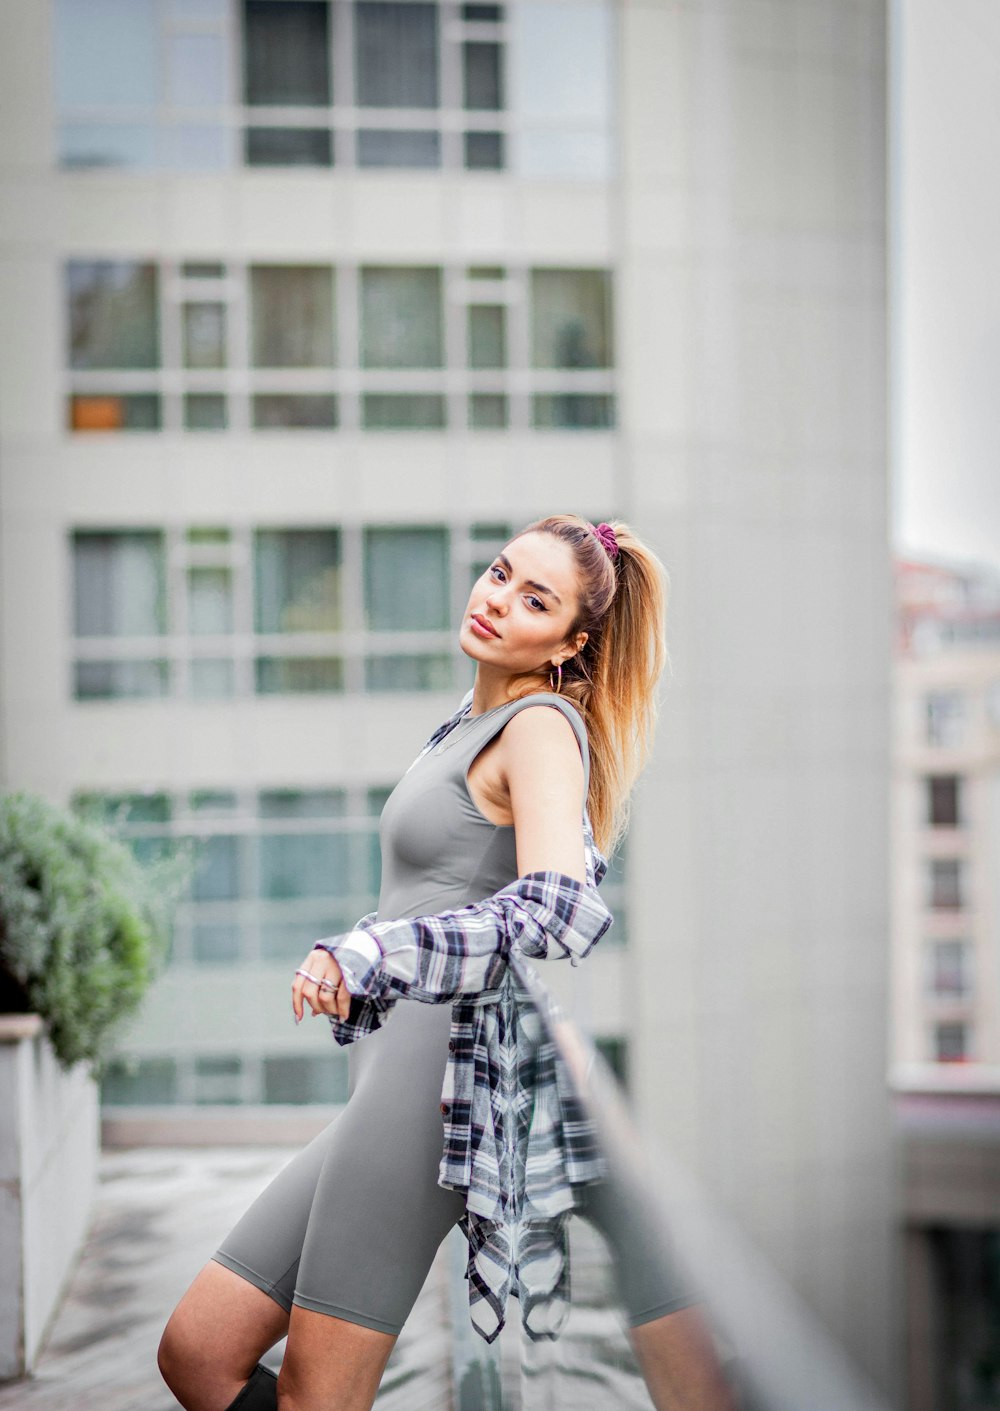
(606, 534)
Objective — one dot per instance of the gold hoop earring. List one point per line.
(555, 689)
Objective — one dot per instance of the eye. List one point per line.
(537, 603)
(496, 569)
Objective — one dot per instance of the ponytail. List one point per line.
(613, 679)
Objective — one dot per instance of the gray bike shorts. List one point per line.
(351, 1225)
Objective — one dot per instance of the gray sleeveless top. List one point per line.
(438, 851)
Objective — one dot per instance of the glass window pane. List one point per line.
(393, 411)
(286, 53)
(217, 874)
(291, 315)
(113, 318)
(203, 269)
(302, 803)
(196, 70)
(119, 680)
(212, 678)
(125, 810)
(139, 1082)
(297, 580)
(279, 675)
(571, 318)
(491, 13)
(218, 1078)
(487, 411)
(210, 600)
(482, 86)
(205, 411)
(119, 584)
(573, 412)
(381, 147)
(487, 335)
(288, 147)
(204, 332)
(196, 11)
(213, 943)
(292, 940)
(553, 153)
(426, 672)
(105, 53)
(396, 55)
(561, 70)
(406, 579)
(484, 151)
(214, 803)
(281, 410)
(190, 148)
(299, 1079)
(401, 320)
(304, 865)
(96, 144)
(137, 411)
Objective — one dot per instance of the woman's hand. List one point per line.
(321, 987)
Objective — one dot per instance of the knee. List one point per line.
(174, 1353)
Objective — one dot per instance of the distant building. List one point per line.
(946, 975)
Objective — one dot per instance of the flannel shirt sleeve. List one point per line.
(435, 959)
(366, 1014)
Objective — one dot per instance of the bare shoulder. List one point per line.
(541, 727)
(539, 741)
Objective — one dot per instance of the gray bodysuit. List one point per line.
(351, 1225)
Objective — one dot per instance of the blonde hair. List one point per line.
(612, 680)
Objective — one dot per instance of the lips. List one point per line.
(486, 628)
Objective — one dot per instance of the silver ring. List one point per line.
(314, 978)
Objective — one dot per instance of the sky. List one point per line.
(945, 279)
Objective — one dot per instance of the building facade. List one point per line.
(308, 303)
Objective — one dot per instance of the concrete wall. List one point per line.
(48, 1174)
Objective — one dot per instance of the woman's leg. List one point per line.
(668, 1329)
(216, 1336)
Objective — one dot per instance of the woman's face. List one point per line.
(521, 609)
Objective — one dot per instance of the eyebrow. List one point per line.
(538, 587)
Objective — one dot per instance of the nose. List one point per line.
(496, 600)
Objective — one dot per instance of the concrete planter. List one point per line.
(49, 1147)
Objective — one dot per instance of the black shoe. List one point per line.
(260, 1392)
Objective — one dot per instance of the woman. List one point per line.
(336, 1249)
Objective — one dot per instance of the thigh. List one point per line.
(378, 1215)
(265, 1245)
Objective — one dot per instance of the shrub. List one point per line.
(84, 926)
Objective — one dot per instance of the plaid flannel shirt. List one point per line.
(516, 1139)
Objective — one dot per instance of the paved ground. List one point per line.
(162, 1211)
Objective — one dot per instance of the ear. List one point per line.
(578, 643)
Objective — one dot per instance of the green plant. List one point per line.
(84, 926)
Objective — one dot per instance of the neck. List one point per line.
(492, 688)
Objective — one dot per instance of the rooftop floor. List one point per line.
(161, 1212)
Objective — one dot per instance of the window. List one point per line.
(950, 971)
(213, 611)
(945, 718)
(943, 800)
(142, 83)
(273, 870)
(401, 322)
(946, 883)
(118, 596)
(204, 346)
(525, 86)
(291, 316)
(951, 1042)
